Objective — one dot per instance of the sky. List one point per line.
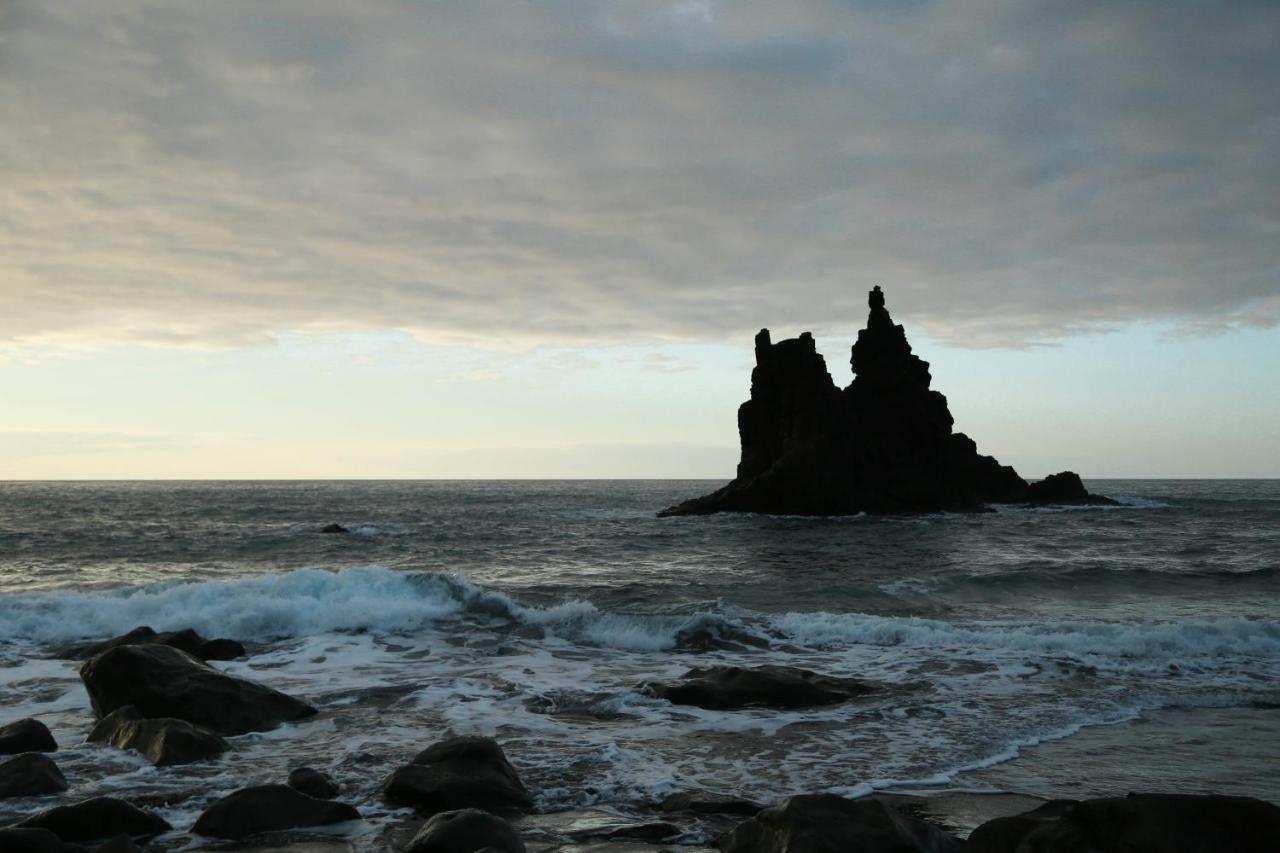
(312, 238)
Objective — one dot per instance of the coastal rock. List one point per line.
(883, 444)
(267, 808)
(30, 841)
(30, 774)
(822, 823)
(26, 735)
(164, 741)
(729, 687)
(119, 844)
(1138, 823)
(165, 682)
(705, 802)
(597, 824)
(465, 831)
(1065, 488)
(459, 773)
(187, 640)
(97, 819)
(313, 783)
(334, 528)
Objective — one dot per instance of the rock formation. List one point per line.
(882, 445)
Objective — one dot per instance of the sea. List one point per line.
(1052, 652)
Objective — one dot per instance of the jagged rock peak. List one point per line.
(881, 358)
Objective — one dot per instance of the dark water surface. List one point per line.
(531, 610)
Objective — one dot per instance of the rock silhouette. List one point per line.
(884, 444)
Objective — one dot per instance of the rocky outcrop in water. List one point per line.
(884, 444)
(724, 688)
(30, 774)
(459, 773)
(313, 783)
(268, 808)
(97, 819)
(162, 681)
(164, 742)
(820, 823)
(465, 831)
(26, 735)
(186, 639)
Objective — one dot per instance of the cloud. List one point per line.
(211, 175)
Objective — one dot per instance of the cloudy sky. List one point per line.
(535, 237)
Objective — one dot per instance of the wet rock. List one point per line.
(97, 819)
(119, 844)
(334, 528)
(601, 823)
(165, 682)
(30, 841)
(465, 831)
(268, 808)
(30, 774)
(187, 640)
(163, 741)
(27, 735)
(1138, 823)
(821, 823)
(313, 783)
(459, 773)
(883, 444)
(730, 687)
(705, 802)
(1065, 488)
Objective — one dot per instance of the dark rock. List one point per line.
(334, 528)
(729, 687)
(30, 841)
(164, 741)
(1138, 823)
(28, 735)
(1065, 488)
(313, 783)
(98, 819)
(30, 774)
(119, 844)
(266, 808)
(704, 802)
(187, 640)
(884, 444)
(459, 773)
(166, 682)
(465, 831)
(825, 823)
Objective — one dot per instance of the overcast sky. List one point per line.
(534, 237)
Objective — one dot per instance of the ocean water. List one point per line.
(1012, 646)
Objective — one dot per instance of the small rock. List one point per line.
(703, 802)
(334, 528)
(30, 774)
(97, 819)
(465, 831)
(164, 741)
(313, 783)
(820, 823)
(459, 773)
(28, 735)
(267, 808)
(730, 687)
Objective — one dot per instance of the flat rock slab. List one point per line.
(459, 773)
(164, 742)
(31, 774)
(727, 688)
(97, 819)
(268, 808)
(162, 681)
(28, 735)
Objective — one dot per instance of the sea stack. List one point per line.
(882, 445)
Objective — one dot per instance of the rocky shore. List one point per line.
(463, 794)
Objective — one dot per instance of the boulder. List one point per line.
(465, 831)
(1139, 823)
(705, 802)
(119, 844)
(730, 687)
(30, 841)
(313, 783)
(162, 741)
(826, 823)
(459, 773)
(30, 774)
(882, 444)
(267, 808)
(97, 819)
(1065, 488)
(162, 681)
(27, 735)
(187, 640)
